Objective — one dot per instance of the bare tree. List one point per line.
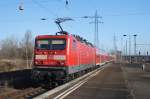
(26, 46)
(9, 48)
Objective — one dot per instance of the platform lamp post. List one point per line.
(121, 50)
(125, 47)
(135, 35)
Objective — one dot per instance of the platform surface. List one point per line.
(117, 81)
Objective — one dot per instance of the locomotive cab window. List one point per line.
(51, 44)
(58, 44)
(43, 44)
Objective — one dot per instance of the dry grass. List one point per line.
(12, 65)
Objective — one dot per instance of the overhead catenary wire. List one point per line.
(44, 8)
(128, 14)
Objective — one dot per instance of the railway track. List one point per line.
(12, 78)
(18, 85)
(23, 94)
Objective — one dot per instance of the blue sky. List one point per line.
(119, 17)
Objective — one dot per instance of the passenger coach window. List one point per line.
(74, 44)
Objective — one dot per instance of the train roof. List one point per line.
(64, 34)
(82, 40)
(48, 36)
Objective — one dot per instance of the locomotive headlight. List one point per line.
(40, 56)
(62, 63)
(59, 57)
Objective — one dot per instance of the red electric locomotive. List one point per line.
(59, 57)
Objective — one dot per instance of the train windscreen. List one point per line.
(51, 44)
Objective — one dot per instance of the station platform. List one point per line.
(117, 81)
